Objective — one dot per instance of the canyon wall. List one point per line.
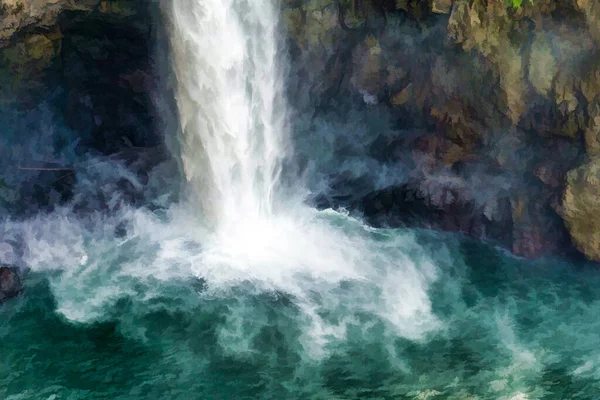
(494, 108)
(464, 115)
(78, 82)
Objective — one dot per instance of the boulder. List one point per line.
(581, 209)
(10, 283)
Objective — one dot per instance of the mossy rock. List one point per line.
(23, 65)
(120, 8)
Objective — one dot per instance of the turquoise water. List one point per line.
(123, 318)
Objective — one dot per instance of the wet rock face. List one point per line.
(108, 78)
(20, 15)
(506, 100)
(97, 54)
(10, 283)
(407, 205)
(581, 208)
(77, 78)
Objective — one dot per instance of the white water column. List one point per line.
(231, 108)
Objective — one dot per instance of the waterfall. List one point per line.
(275, 299)
(231, 108)
(234, 141)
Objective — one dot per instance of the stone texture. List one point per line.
(581, 208)
(441, 6)
(88, 68)
(592, 132)
(506, 100)
(10, 283)
(22, 15)
(511, 92)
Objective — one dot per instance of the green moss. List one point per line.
(516, 3)
(23, 65)
(122, 8)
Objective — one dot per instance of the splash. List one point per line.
(237, 242)
(234, 139)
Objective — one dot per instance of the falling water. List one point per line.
(230, 104)
(234, 139)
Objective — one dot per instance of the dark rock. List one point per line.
(86, 72)
(407, 205)
(10, 283)
(108, 74)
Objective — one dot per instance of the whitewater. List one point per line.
(241, 290)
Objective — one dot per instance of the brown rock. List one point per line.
(548, 174)
(542, 65)
(10, 283)
(581, 208)
(535, 229)
(23, 65)
(368, 64)
(20, 15)
(402, 96)
(590, 84)
(592, 132)
(591, 9)
(441, 6)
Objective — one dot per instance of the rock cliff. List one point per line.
(504, 99)
(79, 77)
(477, 116)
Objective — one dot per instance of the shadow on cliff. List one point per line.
(409, 117)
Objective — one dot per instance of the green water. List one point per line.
(498, 328)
